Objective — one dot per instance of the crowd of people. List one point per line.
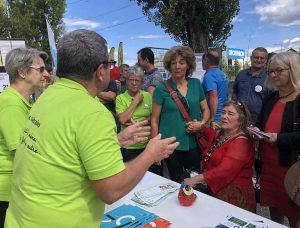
(89, 137)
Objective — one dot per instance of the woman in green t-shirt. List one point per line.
(27, 73)
(166, 118)
(131, 106)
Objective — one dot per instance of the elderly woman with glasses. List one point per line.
(166, 117)
(26, 70)
(132, 106)
(228, 159)
(276, 119)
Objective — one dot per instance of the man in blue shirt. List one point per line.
(249, 85)
(215, 85)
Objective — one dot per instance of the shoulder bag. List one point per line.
(202, 140)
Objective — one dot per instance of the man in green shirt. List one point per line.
(68, 163)
(26, 70)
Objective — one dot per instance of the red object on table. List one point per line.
(186, 195)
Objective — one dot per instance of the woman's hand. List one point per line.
(272, 139)
(138, 98)
(194, 126)
(194, 180)
(253, 135)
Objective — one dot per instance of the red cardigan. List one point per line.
(231, 162)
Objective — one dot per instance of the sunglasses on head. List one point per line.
(241, 106)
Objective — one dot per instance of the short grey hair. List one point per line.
(19, 59)
(290, 60)
(135, 70)
(261, 49)
(123, 66)
(79, 54)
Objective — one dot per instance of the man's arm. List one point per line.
(115, 187)
(110, 94)
(212, 96)
(107, 96)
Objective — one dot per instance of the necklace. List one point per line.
(285, 96)
(217, 143)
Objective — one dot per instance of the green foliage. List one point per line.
(197, 23)
(237, 66)
(27, 21)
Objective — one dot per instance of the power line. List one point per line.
(109, 12)
(122, 23)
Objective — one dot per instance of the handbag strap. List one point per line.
(178, 102)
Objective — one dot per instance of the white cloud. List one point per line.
(288, 43)
(76, 23)
(279, 12)
(148, 37)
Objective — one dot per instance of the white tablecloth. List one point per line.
(205, 212)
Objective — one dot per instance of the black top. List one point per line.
(287, 139)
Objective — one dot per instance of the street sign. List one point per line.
(235, 53)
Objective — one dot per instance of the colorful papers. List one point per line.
(132, 216)
(153, 196)
(235, 222)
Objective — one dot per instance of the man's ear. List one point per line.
(100, 72)
(21, 74)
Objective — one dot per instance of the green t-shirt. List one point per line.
(14, 110)
(69, 140)
(142, 111)
(171, 121)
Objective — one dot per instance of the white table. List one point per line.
(205, 212)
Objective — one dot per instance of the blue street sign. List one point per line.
(235, 53)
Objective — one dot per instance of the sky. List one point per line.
(273, 24)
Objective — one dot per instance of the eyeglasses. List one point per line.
(277, 72)
(110, 64)
(132, 80)
(41, 69)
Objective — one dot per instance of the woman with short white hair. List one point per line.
(26, 70)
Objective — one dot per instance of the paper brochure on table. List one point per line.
(236, 222)
(132, 216)
(154, 195)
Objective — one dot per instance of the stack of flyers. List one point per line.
(153, 196)
(234, 222)
(132, 216)
(259, 134)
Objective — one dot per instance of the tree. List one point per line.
(27, 21)
(197, 23)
